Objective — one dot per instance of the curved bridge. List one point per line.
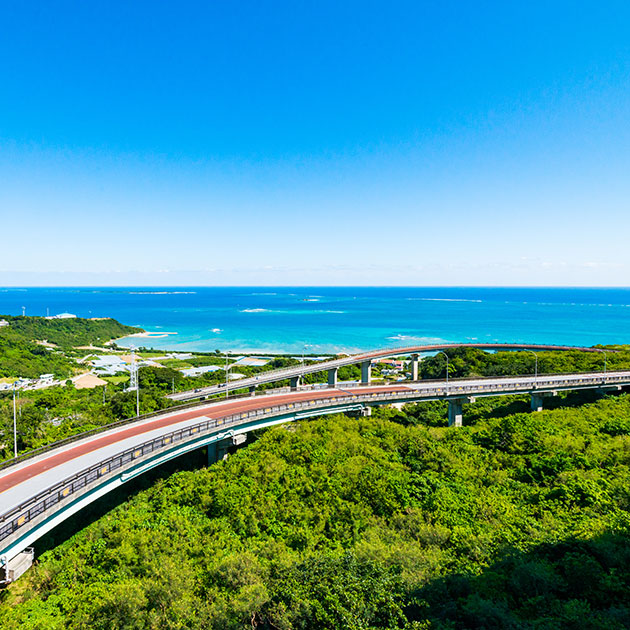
(365, 360)
(41, 490)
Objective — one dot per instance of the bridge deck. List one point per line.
(300, 370)
(38, 493)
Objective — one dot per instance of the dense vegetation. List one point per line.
(21, 356)
(473, 362)
(66, 333)
(518, 521)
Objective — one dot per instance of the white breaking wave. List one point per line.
(162, 292)
(427, 340)
(442, 300)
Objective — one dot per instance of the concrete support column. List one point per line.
(415, 364)
(366, 372)
(536, 402)
(537, 399)
(332, 377)
(367, 411)
(213, 453)
(219, 450)
(295, 381)
(455, 410)
(252, 390)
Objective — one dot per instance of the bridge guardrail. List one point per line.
(356, 358)
(192, 405)
(39, 503)
(30, 509)
(119, 423)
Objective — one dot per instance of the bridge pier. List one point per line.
(415, 365)
(366, 372)
(607, 389)
(295, 382)
(537, 399)
(455, 410)
(219, 450)
(332, 377)
(252, 390)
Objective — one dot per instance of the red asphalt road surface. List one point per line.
(226, 409)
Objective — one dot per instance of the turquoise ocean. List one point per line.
(332, 319)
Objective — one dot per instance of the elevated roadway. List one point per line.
(295, 373)
(39, 491)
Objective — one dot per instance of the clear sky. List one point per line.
(271, 143)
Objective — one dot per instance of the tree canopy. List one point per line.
(519, 520)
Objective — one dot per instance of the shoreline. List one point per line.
(230, 351)
(147, 335)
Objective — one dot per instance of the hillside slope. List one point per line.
(516, 522)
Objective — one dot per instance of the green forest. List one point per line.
(518, 520)
(21, 356)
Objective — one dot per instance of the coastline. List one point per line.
(146, 335)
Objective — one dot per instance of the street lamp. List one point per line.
(306, 345)
(446, 355)
(226, 375)
(535, 367)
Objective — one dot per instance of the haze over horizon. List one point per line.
(315, 144)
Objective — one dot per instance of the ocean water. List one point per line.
(325, 319)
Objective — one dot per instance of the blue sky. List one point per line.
(412, 143)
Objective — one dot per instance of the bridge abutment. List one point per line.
(18, 565)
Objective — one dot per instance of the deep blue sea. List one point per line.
(341, 318)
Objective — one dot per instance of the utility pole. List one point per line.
(14, 424)
(226, 375)
(133, 379)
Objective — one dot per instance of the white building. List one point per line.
(109, 364)
(251, 361)
(198, 371)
